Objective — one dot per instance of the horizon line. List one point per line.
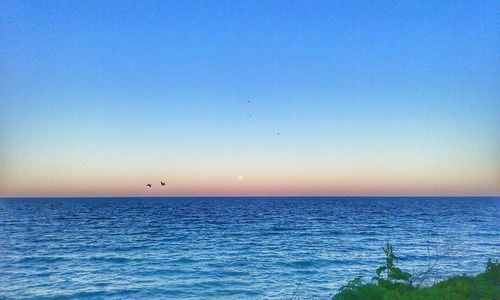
(260, 196)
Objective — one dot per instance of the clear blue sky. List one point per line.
(368, 97)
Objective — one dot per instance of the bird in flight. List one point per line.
(148, 185)
(162, 183)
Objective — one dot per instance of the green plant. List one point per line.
(352, 285)
(393, 274)
(394, 284)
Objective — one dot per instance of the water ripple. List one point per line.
(234, 248)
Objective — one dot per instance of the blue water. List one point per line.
(231, 248)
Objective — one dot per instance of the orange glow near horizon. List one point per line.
(245, 185)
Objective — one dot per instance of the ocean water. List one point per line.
(232, 248)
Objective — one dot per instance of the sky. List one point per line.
(99, 98)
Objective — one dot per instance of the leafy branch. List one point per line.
(393, 274)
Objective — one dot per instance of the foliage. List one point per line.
(397, 285)
(394, 275)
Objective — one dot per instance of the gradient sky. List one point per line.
(369, 98)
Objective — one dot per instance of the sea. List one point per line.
(234, 247)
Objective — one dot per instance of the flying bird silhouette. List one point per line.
(162, 183)
(148, 185)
